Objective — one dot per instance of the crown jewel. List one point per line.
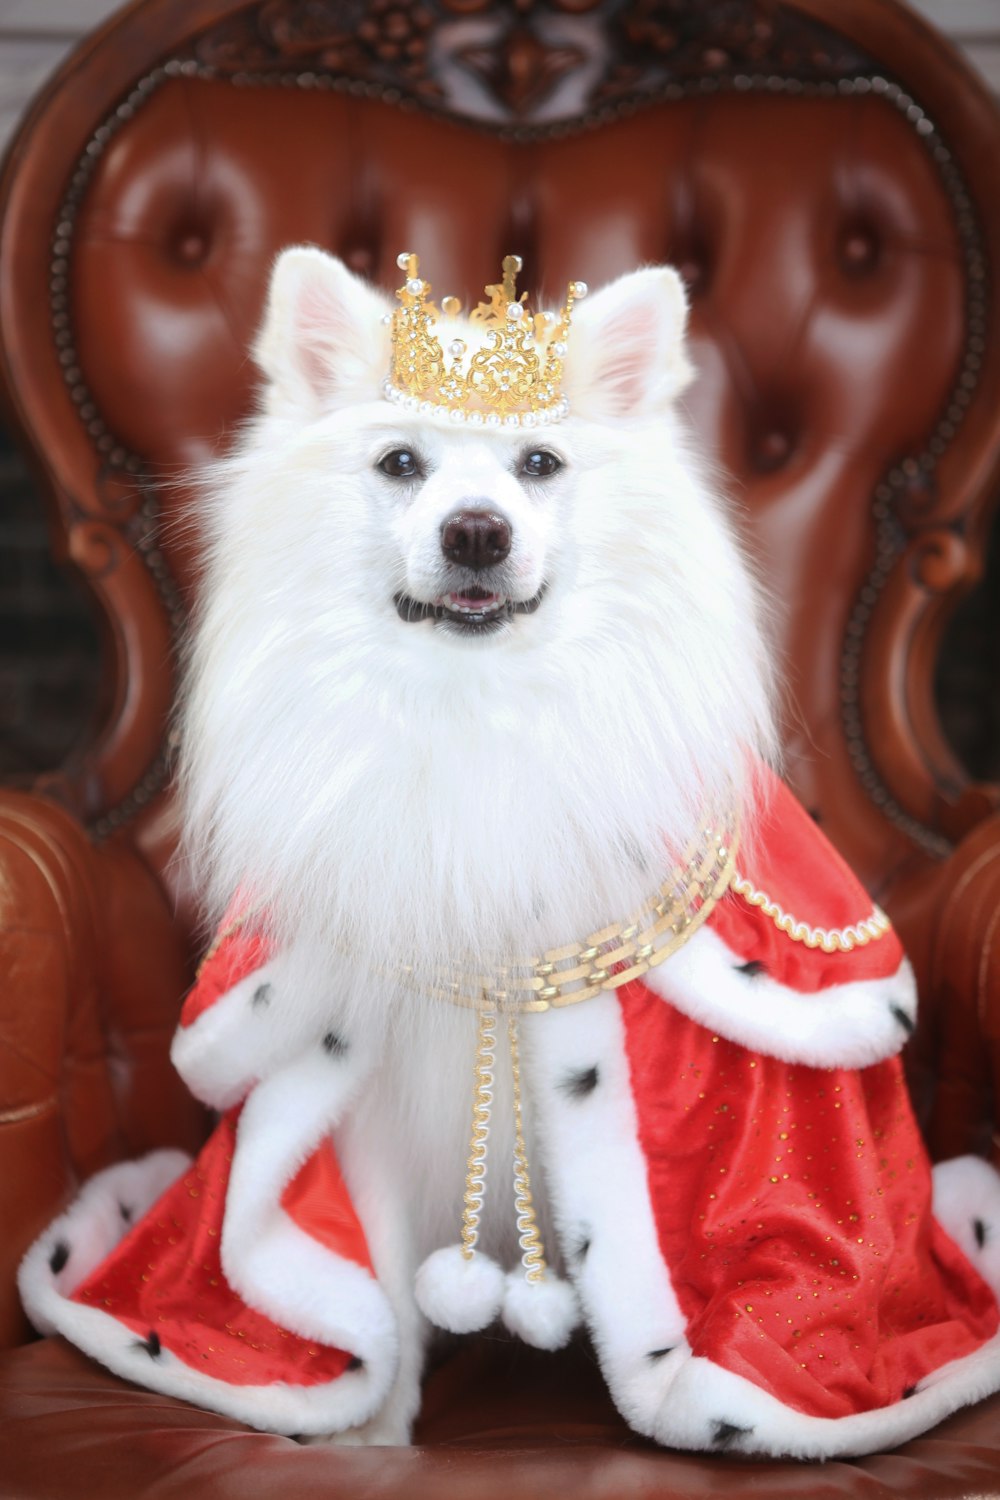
(513, 380)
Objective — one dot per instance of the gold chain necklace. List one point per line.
(607, 959)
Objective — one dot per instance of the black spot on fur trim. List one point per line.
(906, 1021)
(911, 1390)
(334, 1044)
(151, 1344)
(725, 1434)
(59, 1257)
(655, 1354)
(979, 1230)
(355, 1362)
(751, 969)
(580, 1083)
(261, 995)
(583, 1247)
(126, 1212)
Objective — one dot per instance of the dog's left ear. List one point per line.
(626, 347)
(322, 342)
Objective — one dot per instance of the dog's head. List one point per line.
(501, 664)
(472, 528)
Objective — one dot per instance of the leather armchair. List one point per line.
(823, 171)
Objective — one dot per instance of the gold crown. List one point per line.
(512, 380)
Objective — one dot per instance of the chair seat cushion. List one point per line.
(499, 1420)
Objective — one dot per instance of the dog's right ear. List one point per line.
(627, 357)
(322, 343)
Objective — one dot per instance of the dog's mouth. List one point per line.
(473, 611)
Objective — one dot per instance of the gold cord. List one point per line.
(532, 1251)
(830, 939)
(475, 1178)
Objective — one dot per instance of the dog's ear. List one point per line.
(322, 342)
(626, 347)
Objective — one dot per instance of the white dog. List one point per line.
(463, 692)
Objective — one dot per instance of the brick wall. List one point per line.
(49, 642)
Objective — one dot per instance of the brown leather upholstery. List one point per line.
(93, 972)
(499, 1423)
(823, 173)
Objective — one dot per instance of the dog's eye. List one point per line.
(400, 464)
(540, 463)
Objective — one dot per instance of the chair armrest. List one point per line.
(965, 996)
(92, 972)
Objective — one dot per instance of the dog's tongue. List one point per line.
(476, 601)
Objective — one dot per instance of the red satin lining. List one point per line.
(318, 1200)
(236, 957)
(165, 1277)
(792, 1207)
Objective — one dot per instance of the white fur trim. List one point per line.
(967, 1204)
(89, 1231)
(460, 1295)
(845, 1026)
(93, 1227)
(274, 1265)
(542, 1313)
(246, 1036)
(701, 1402)
(598, 1182)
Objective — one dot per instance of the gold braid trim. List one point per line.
(830, 939)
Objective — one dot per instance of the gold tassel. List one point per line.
(532, 1250)
(475, 1178)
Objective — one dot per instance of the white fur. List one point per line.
(403, 795)
(846, 1026)
(630, 362)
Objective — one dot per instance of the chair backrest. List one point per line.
(823, 172)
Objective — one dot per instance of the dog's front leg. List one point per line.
(383, 1197)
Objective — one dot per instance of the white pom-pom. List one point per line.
(542, 1313)
(460, 1295)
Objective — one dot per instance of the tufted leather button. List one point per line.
(360, 259)
(191, 247)
(858, 251)
(771, 449)
(694, 274)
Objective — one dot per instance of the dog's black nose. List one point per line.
(475, 538)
